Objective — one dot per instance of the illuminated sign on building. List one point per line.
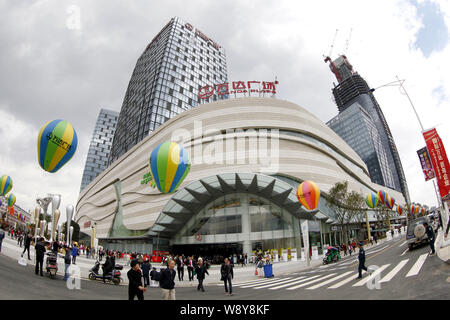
(238, 87)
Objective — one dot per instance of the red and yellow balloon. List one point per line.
(308, 193)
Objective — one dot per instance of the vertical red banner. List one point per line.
(440, 161)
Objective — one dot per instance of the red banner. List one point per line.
(440, 161)
(425, 161)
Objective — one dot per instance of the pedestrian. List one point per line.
(246, 259)
(146, 272)
(2, 236)
(67, 261)
(375, 238)
(20, 240)
(431, 237)
(135, 287)
(167, 281)
(362, 260)
(74, 253)
(107, 267)
(180, 268)
(201, 270)
(27, 245)
(350, 249)
(40, 251)
(190, 268)
(440, 220)
(226, 271)
(435, 225)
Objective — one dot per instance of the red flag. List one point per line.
(440, 161)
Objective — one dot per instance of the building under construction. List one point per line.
(362, 125)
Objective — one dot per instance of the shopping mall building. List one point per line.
(248, 156)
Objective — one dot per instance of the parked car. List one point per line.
(415, 234)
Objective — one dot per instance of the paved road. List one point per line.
(404, 275)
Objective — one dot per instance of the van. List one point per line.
(415, 234)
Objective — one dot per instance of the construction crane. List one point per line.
(328, 59)
(347, 43)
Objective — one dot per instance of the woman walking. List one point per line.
(226, 271)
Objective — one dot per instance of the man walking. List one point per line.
(146, 272)
(40, 251)
(362, 260)
(190, 268)
(431, 237)
(226, 270)
(67, 260)
(74, 253)
(2, 236)
(27, 245)
(201, 270)
(167, 281)
(135, 287)
(180, 267)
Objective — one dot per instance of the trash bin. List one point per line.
(268, 271)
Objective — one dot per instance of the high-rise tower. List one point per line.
(100, 147)
(165, 82)
(362, 125)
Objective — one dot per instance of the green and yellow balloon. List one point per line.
(6, 185)
(57, 143)
(169, 164)
(372, 200)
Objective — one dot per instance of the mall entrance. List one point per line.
(215, 253)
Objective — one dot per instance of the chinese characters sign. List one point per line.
(440, 162)
(238, 87)
(425, 161)
(201, 35)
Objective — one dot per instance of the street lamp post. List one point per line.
(399, 83)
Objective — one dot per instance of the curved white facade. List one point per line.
(225, 137)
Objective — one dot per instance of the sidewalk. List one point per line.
(11, 249)
(442, 247)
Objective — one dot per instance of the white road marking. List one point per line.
(402, 244)
(340, 284)
(373, 275)
(280, 282)
(310, 282)
(417, 266)
(329, 281)
(406, 250)
(291, 283)
(394, 271)
(250, 281)
(258, 284)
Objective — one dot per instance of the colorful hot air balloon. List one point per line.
(11, 211)
(11, 200)
(6, 185)
(412, 209)
(422, 211)
(390, 202)
(399, 209)
(169, 164)
(382, 196)
(416, 209)
(57, 143)
(372, 200)
(308, 193)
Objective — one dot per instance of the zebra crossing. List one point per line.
(335, 280)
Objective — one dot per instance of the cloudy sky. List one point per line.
(51, 69)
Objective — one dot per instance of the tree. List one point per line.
(76, 230)
(356, 203)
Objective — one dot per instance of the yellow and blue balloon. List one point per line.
(11, 200)
(57, 142)
(169, 165)
(6, 185)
